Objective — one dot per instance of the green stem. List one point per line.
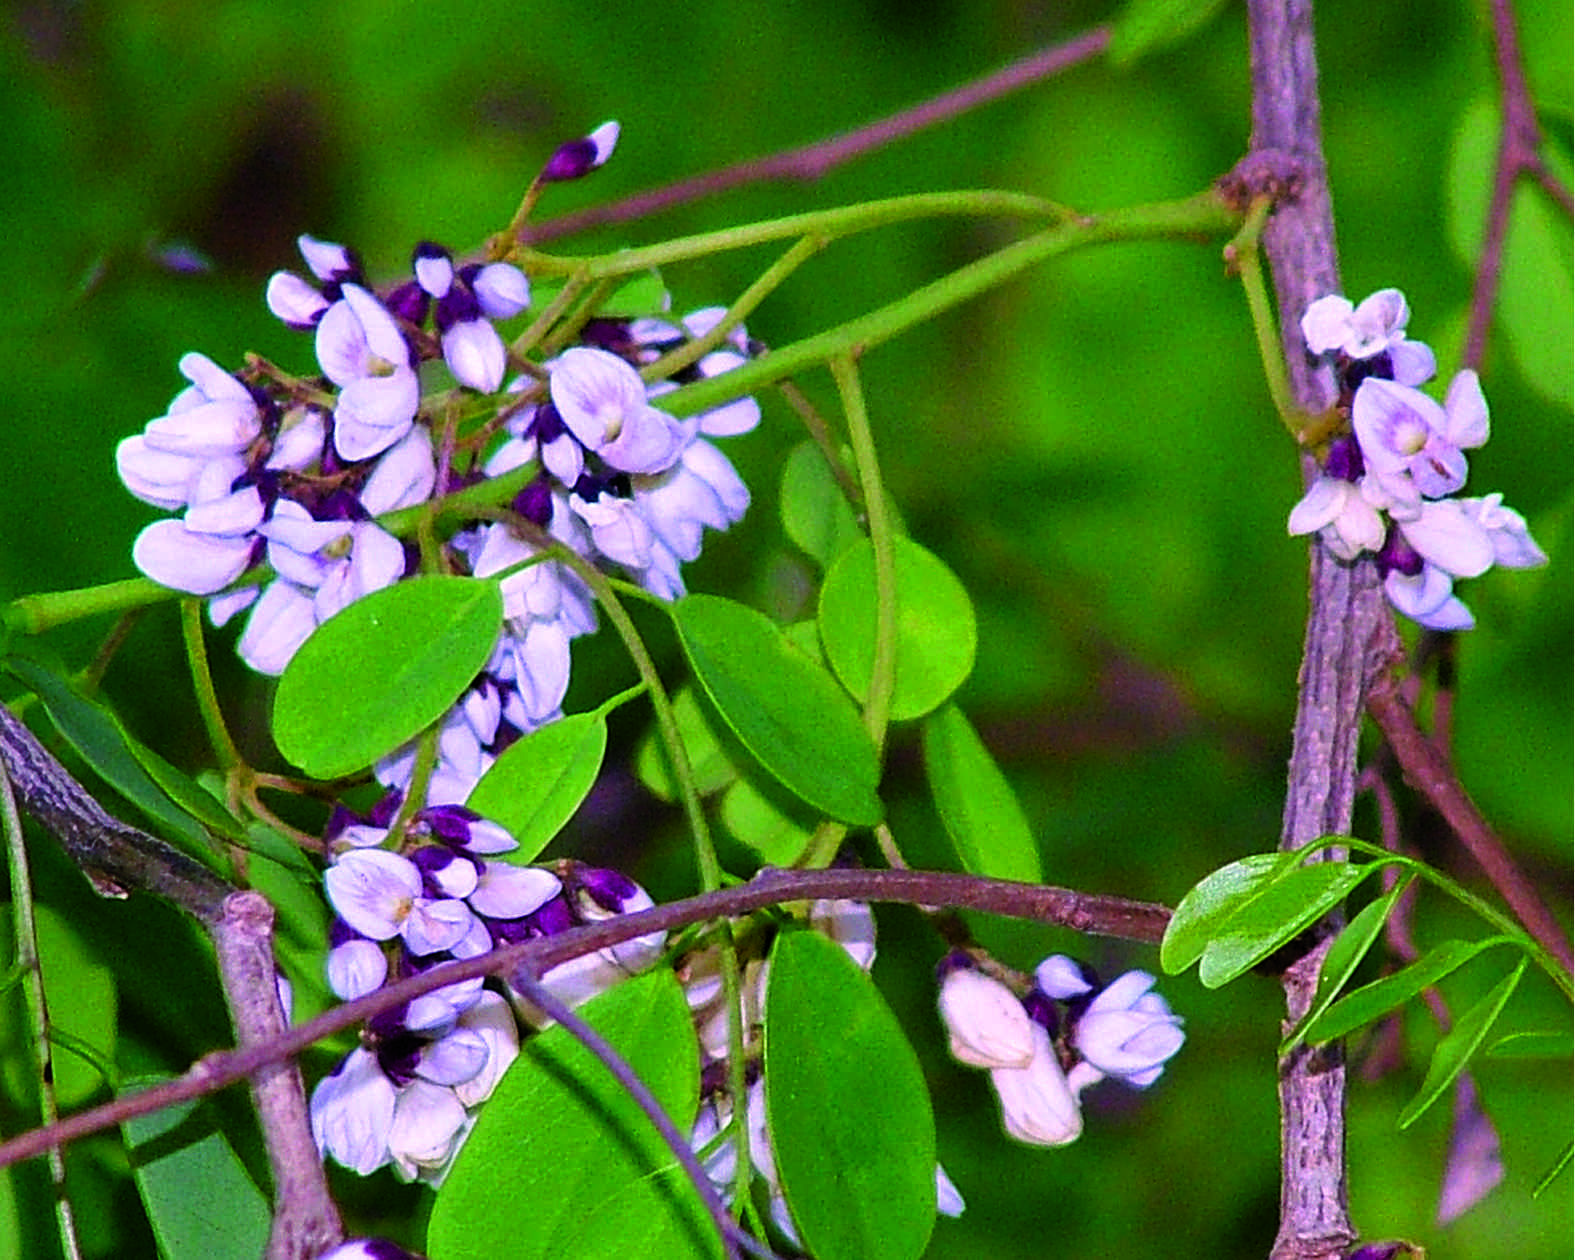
(24, 927)
(1203, 216)
(830, 224)
(773, 277)
(1505, 923)
(1244, 253)
(34, 614)
(883, 675)
(224, 748)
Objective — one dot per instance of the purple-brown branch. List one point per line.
(812, 161)
(1082, 912)
(1519, 154)
(1350, 633)
(1429, 771)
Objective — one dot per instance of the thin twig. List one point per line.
(1428, 770)
(1081, 912)
(1519, 154)
(812, 161)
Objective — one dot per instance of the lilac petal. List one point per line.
(281, 621)
(404, 476)
(356, 968)
(1325, 323)
(453, 1059)
(374, 413)
(222, 427)
(231, 515)
(183, 560)
(222, 607)
(352, 1112)
(432, 927)
(328, 261)
(506, 891)
(1475, 1165)
(475, 355)
(1428, 599)
(1447, 535)
(428, 1119)
(1061, 977)
(373, 891)
(1465, 411)
(296, 303)
(162, 478)
(434, 269)
(299, 442)
(502, 290)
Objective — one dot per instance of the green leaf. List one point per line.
(534, 788)
(122, 762)
(1145, 26)
(383, 669)
(1209, 903)
(816, 514)
(83, 1003)
(1534, 307)
(765, 825)
(1277, 912)
(1552, 1044)
(1366, 1004)
(705, 739)
(936, 631)
(849, 1115)
(562, 1162)
(785, 709)
(975, 801)
(1344, 956)
(194, 1187)
(1454, 1052)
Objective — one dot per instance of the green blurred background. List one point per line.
(1091, 448)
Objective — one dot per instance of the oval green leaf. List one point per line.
(563, 1162)
(1344, 956)
(764, 825)
(381, 670)
(975, 801)
(1454, 1052)
(1277, 912)
(849, 1115)
(1209, 903)
(705, 739)
(936, 631)
(197, 1194)
(540, 780)
(784, 708)
(816, 514)
(1362, 1006)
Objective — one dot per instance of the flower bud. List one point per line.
(986, 1024)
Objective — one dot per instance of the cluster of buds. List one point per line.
(1386, 486)
(1043, 1048)
(851, 925)
(407, 1095)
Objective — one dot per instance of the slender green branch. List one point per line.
(34, 614)
(829, 224)
(773, 277)
(1201, 217)
(24, 926)
(883, 676)
(1244, 254)
(229, 756)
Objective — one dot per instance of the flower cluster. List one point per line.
(1066, 1033)
(295, 473)
(407, 1095)
(1386, 486)
(851, 925)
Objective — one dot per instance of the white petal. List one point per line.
(986, 1024)
(352, 1113)
(1446, 535)
(292, 300)
(1326, 323)
(475, 355)
(356, 968)
(506, 891)
(373, 891)
(501, 290)
(1465, 411)
(1037, 1105)
(281, 621)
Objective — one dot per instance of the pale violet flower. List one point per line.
(1375, 327)
(1444, 534)
(362, 350)
(428, 1125)
(1038, 1104)
(507, 891)
(379, 894)
(352, 1112)
(1406, 436)
(602, 401)
(1428, 598)
(281, 620)
(1128, 1031)
(1338, 511)
(581, 157)
(356, 967)
(1513, 545)
(1061, 978)
(502, 289)
(215, 416)
(986, 1025)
